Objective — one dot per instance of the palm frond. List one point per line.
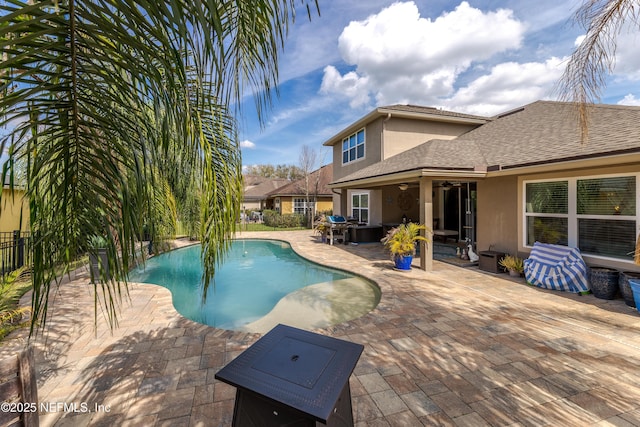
(101, 94)
(585, 75)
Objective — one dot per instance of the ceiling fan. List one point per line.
(446, 185)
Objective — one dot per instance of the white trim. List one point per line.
(360, 193)
(364, 144)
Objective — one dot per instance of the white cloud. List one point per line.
(247, 144)
(401, 57)
(507, 85)
(350, 85)
(630, 99)
(627, 60)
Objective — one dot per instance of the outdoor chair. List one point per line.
(556, 267)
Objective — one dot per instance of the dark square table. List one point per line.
(490, 261)
(293, 377)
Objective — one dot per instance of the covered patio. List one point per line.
(445, 202)
(450, 346)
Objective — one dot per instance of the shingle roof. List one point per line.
(430, 110)
(547, 132)
(408, 111)
(257, 188)
(296, 188)
(539, 133)
(431, 155)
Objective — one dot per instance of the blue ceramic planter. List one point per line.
(403, 262)
(635, 288)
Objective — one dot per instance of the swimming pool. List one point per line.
(260, 283)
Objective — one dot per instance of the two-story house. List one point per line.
(502, 182)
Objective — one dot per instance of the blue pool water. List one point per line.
(254, 277)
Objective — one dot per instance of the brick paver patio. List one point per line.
(453, 346)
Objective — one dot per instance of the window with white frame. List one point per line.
(300, 206)
(353, 147)
(360, 207)
(598, 215)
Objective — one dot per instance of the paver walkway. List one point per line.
(449, 347)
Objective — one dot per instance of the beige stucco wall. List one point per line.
(251, 205)
(403, 134)
(372, 135)
(391, 212)
(496, 217)
(10, 209)
(399, 135)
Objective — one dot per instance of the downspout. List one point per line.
(384, 122)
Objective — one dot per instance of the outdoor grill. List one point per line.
(338, 228)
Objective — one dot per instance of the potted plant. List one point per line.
(513, 264)
(401, 243)
(98, 260)
(321, 228)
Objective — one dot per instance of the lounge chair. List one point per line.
(556, 267)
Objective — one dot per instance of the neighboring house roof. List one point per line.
(408, 112)
(543, 132)
(257, 188)
(322, 176)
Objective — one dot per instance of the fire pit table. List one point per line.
(293, 377)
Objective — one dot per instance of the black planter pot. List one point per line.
(99, 261)
(604, 282)
(625, 288)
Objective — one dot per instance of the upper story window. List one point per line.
(353, 147)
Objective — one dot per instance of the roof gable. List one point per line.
(322, 177)
(413, 112)
(257, 188)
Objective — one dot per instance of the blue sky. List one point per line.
(478, 57)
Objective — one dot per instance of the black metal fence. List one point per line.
(15, 250)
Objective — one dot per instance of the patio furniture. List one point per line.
(445, 234)
(365, 233)
(338, 227)
(556, 267)
(490, 261)
(293, 377)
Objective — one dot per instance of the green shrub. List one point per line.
(274, 219)
(12, 287)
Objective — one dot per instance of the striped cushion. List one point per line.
(556, 267)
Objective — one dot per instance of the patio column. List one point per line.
(426, 218)
(343, 203)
